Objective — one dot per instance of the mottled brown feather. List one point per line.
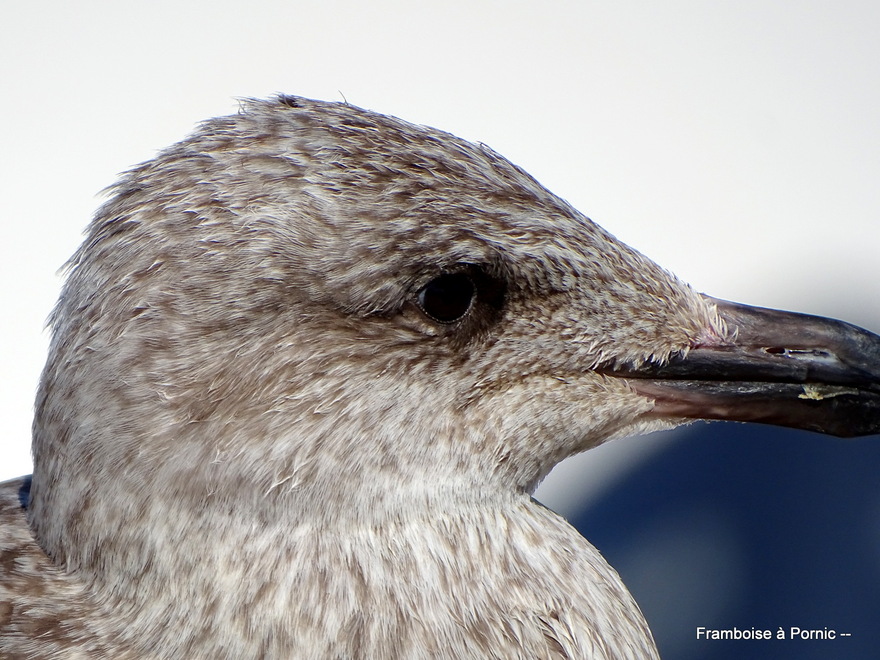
(251, 442)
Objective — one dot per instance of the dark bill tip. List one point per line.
(780, 368)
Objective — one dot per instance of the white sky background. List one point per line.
(737, 144)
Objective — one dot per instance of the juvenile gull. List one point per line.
(308, 366)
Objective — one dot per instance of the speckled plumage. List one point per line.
(251, 442)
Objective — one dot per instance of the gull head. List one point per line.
(310, 311)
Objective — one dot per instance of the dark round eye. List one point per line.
(448, 298)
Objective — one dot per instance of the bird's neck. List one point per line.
(448, 581)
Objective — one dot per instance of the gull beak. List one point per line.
(781, 368)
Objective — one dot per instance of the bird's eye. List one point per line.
(448, 298)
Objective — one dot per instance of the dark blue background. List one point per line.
(753, 527)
